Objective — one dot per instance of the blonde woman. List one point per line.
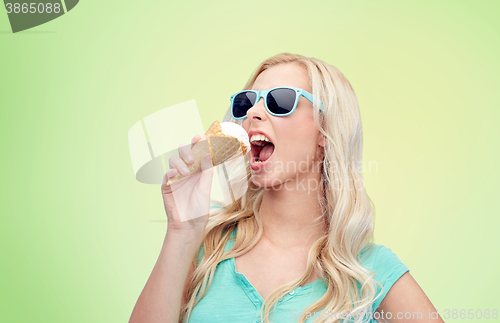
(296, 247)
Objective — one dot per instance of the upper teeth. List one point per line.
(258, 140)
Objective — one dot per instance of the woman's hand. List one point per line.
(187, 202)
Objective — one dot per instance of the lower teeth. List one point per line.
(258, 161)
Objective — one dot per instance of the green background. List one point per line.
(79, 235)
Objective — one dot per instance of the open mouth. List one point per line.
(262, 152)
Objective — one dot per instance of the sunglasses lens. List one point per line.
(242, 103)
(281, 101)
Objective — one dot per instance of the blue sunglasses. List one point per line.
(279, 101)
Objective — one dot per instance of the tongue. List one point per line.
(266, 152)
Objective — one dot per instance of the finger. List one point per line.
(186, 154)
(170, 174)
(175, 162)
(195, 139)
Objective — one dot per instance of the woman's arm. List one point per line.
(164, 293)
(406, 302)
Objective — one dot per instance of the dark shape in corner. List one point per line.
(36, 12)
(70, 4)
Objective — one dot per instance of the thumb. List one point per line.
(206, 162)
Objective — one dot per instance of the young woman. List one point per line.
(296, 247)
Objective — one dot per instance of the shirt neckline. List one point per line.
(254, 295)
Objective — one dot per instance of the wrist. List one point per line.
(185, 236)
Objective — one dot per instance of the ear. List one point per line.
(321, 140)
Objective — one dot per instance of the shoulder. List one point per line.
(386, 266)
(375, 256)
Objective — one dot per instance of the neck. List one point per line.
(288, 215)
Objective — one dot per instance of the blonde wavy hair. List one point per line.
(345, 206)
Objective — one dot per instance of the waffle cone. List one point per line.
(220, 147)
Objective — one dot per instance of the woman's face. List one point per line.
(295, 137)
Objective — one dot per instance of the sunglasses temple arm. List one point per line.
(309, 96)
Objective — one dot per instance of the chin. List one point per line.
(269, 181)
(260, 181)
(265, 180)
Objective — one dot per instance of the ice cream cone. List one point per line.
(221, 147)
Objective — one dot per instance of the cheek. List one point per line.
(299, 143)
(245, 124)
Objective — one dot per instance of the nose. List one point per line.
(257, 111)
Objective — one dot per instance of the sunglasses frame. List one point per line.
(263, 94)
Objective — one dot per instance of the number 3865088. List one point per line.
(33, 7)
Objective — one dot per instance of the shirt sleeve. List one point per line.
(388, 269)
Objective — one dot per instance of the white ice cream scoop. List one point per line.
(237, 131)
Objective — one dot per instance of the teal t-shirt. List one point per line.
(232, 298)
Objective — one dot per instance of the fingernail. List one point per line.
(185, 171)
(190, 159)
